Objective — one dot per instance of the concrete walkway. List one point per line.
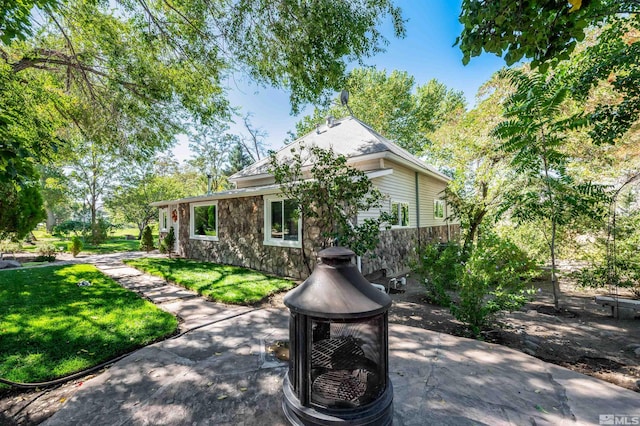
(222, 374)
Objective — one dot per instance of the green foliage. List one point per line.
(394, 106)
(75, 245)
(127, 75)
(238, 159)
(167, 244)
(534, 133)
(15, 17)
(51, 327)
(140, 186)
(100, 231)
(71, 226)
(543, 31)
(604, 77)
(8, 246)
(330, 194)
(475, 286)
(46, 253)
(438, 267)
(620, 265)
(222, 283)
(146, 242)
(295, 45)
(604, 34)
(20, 209)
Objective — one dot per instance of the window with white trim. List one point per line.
(438, 209)
(204, 221)
(399, 213)
(163, 217)
(282, 224)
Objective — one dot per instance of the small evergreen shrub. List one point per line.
(75, 245)
(168, 242)
(146, 243)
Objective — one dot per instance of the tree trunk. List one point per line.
(51, 220)
(554, 279)
(141, 227)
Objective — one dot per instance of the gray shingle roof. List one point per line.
(349, 137)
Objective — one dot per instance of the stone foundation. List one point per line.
(397, 248)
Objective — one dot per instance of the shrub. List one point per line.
(75, 245)
(438, 269)
(46, 253)
(168, 242)
(8, 246)
(493, 277)
(146, 243)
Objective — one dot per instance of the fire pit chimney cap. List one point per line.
(336, 253)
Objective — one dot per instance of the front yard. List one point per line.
(221, 283)
(51, 327)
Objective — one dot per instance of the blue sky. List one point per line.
(426, 52)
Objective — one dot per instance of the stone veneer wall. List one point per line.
(240, 240)
(397, 247)
(241, 235)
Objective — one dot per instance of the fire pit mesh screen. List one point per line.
(346, 363)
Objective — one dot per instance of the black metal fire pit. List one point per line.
(338, 359)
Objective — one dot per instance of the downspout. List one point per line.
(448, 221)
(418, 208)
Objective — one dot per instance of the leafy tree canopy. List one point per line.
(21, 209)
(540, 30)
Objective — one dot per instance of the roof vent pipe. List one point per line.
(209, 179)
(330, 121)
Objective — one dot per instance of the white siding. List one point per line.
(430, 189)
(398, 187)
(401, 187)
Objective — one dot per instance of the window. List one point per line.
(204, 221)
(164, 220)
(282, 224)
(438, 209)
(400, 213)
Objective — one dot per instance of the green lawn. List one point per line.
(222, 283)
(50, 327)
(116, 242)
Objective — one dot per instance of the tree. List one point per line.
(210, 148)
(15, 17)
(146, 243)
(131, 199)
(167, 244)
(534, 132)
(54, 186)
(550, 34)
(21, 208)
(238, 159)
(393, 105)
(465, 148)
(329, 194)
(150, 65)
(543, 31)
(92, 173)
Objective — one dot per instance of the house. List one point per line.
(229, 226)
